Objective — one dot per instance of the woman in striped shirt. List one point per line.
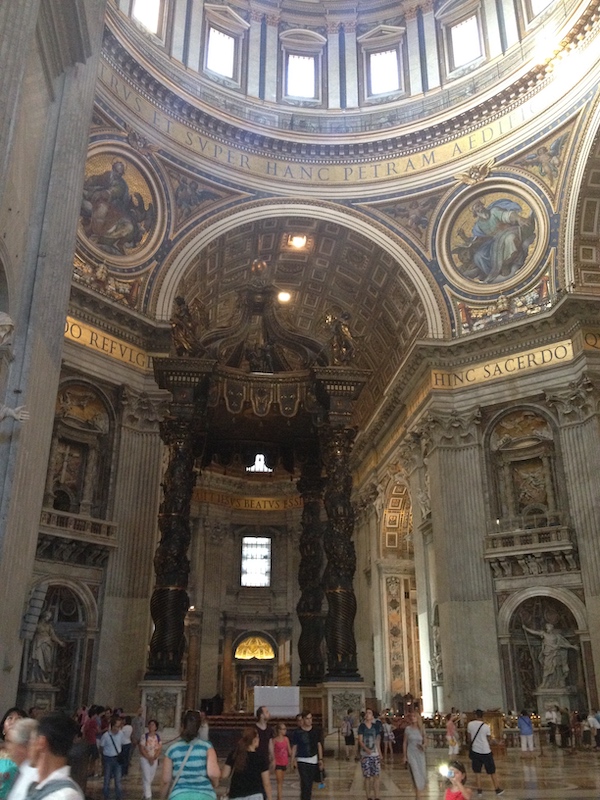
(190, 769)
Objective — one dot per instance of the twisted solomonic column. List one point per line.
(341, 556)
(310, 615)
(169, 603)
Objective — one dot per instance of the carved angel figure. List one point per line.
(342, 341)
(476, 173)
(186, 325)
(6, 328)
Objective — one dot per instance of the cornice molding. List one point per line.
(286, 134)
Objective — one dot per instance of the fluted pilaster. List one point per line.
(577, 407)
(464, 586)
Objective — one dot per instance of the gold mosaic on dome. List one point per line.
(254, 647)
(546, 160)
(492, 239)
(118, 215)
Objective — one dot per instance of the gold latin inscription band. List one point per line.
(101, 342)
(504, 367)
(247, 503)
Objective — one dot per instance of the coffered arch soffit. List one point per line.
(349, 264)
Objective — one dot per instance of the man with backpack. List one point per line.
(49, 752)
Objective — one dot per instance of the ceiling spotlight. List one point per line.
(296, 240)
(284, 297)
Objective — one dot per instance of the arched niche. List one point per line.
(255, 663)
(542, 639)
(78, 474)
(59, 629)
(522, 462)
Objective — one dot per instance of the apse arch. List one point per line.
(437, 325)
(564, 596)
(573, 210)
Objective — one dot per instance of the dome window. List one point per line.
(302, 52)
(537, 6)
(382, 61)
(462, 35)
(223, 44)
(149, 13)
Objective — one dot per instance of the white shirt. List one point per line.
(126, 732)
(62, 794)
(27, 775)
(593, 722)
(479, 741)
(111, 743)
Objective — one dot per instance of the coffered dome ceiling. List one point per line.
(394, 207)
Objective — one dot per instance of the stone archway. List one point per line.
(543, 661)
(255, 664)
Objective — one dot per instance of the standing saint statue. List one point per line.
(553, 657)
(42, 649)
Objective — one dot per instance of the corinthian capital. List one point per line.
(410, 454)
(575, 403)
(142, 410)
(451, 429)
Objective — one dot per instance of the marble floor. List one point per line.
(553, 775)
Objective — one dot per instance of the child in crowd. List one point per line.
(457, 775)
(283, 751)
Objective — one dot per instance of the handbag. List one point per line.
(471, 751)
(121, 760)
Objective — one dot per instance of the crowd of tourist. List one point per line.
(51, 755)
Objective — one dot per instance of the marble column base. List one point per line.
(42, 695)
(332, 699)
(163, 701)
(561, 697)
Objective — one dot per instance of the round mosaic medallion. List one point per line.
(492, 239)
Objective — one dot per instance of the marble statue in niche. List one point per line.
(553, 656)
(491, 239)
(43, 645)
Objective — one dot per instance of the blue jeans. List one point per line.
(112, 769)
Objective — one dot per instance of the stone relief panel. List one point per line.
(402, 635)
(523, 456)
(77, 477)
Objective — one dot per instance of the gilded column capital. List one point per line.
(450, 429)
(576, 403)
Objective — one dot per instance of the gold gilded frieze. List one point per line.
(225, 152)
(110, 346)
(246, 502)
